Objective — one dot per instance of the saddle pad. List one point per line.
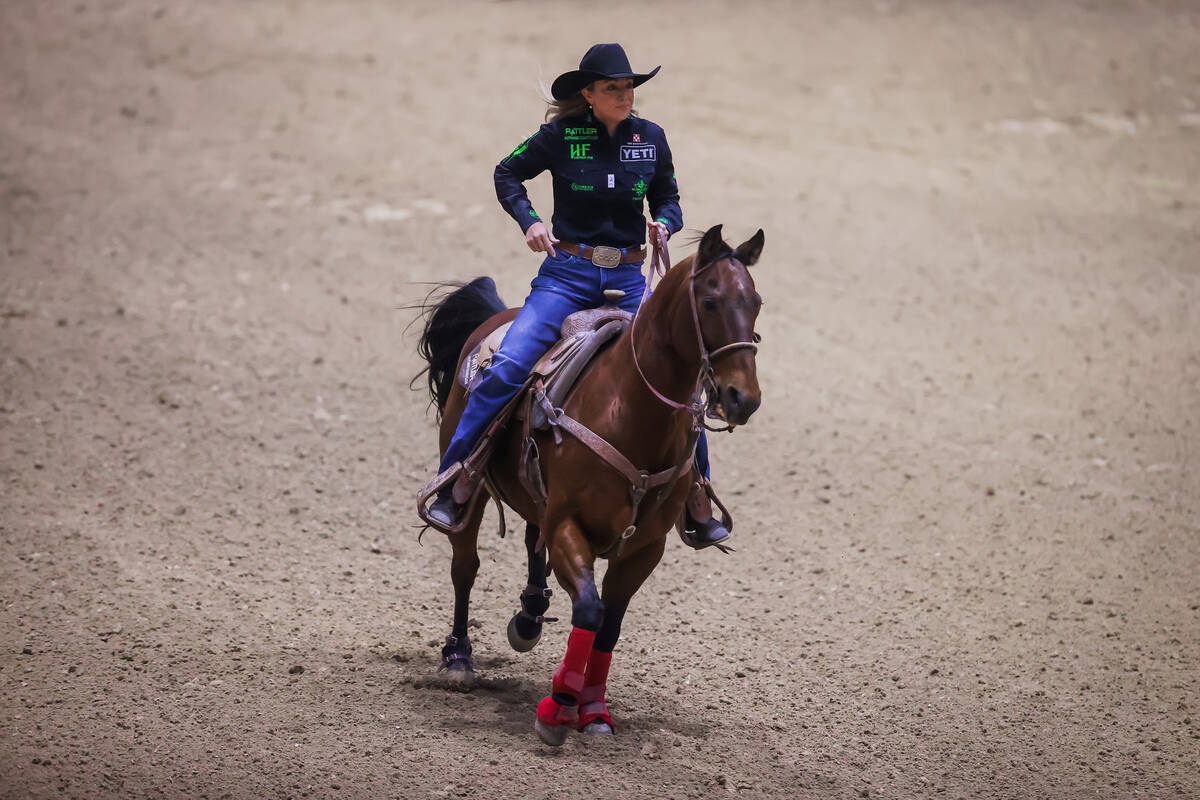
(481, 357)
(490, 344)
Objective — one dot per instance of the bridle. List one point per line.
(706, 381)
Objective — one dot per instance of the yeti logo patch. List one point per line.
(638, 152)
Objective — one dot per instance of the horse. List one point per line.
(641, 396)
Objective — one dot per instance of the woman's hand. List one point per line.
(658, 233)
(540, 240)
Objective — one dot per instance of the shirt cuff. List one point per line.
(527, 220)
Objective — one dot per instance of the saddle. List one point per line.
(583, 335)
(538, 405)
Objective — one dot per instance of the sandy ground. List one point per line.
(968, 511)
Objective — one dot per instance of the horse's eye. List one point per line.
(709, 304)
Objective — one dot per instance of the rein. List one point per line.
(660, 262)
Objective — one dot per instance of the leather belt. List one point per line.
(602, 256)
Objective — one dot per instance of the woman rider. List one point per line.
(605, 163)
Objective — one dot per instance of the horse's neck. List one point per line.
(613, 399)
(665, 336)
(651, 348)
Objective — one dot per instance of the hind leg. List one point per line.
(464, 566)
(525, 627)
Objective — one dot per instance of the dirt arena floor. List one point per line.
(968, 512)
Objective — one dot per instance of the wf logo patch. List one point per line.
(581, 152)
(638, 152)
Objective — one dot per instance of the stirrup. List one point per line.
(700, 501)
(691, 537)
(431, 490)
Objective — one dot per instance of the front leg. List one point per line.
(624, 577)
(572, 559)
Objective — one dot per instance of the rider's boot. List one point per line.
(701, 529)
(454, 499)
(445, 512)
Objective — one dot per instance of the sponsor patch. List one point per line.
(578, 134)
(638, 152)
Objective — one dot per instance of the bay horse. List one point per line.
(642, 396)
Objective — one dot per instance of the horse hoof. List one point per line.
(553, 735)
(459, 672)
(597, 728)
(519, 643)
(460, 676)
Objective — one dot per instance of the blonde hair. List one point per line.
(573, 106)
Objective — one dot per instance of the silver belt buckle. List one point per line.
(606, 257)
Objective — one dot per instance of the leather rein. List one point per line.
(706, 378)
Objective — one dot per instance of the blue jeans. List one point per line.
(564, 284)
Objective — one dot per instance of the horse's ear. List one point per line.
(749, 250)
(712, 246)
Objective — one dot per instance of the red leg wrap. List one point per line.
(569, 679)
(551, 713)
(593, 712)
(591, 700)
(596, 678)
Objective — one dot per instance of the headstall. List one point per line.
(706, 381)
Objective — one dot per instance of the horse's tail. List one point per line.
(452, 311)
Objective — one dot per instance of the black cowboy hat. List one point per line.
(602, 61)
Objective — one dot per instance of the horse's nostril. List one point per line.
(738, 405)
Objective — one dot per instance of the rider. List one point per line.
(605, 162)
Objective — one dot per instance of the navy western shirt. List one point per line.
(600, 182)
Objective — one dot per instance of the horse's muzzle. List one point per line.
(738, 405)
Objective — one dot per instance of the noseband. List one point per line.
(706, 378)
